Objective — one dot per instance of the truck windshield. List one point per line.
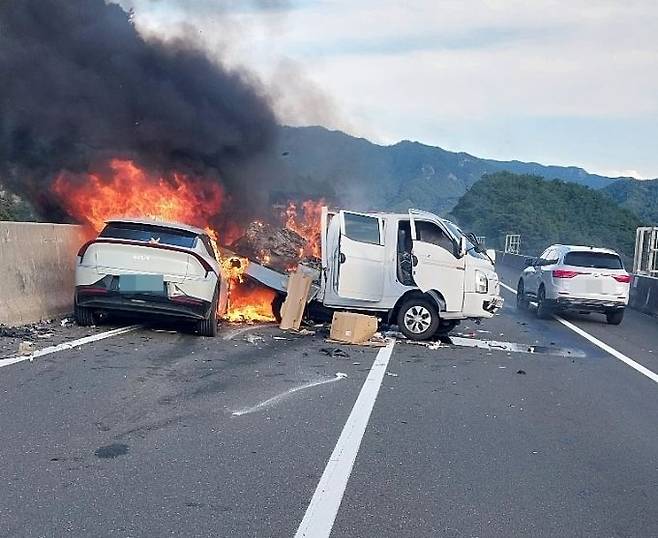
(149, 234)
(596, 260)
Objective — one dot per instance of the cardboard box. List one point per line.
(352, 328)
(292, 310)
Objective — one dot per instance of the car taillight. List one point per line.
(563, 273)
(93, 290)
(624, 279)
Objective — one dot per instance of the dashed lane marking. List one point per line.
(321, 512)
(68, 345)
(605, 347)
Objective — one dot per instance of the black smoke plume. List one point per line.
(79, 86)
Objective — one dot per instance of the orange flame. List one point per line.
(130, 191)
(133, 192)
(306, 224)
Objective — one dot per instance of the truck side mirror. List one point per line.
(462, 246)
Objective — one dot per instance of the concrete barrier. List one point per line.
(644, 290)
(37, 269)
(644, 294)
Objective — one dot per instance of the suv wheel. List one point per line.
(521, 299)
(83, 316)
(418, 319)
(614, 317)
(208, 326)
(543, 309)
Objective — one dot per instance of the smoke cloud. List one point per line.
(80, 86)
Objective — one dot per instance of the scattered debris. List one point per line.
(334, 352)
(25, 348)
(65, 322)
(522, 372)
(391, 374)
(341, 375)
(305, 332)
(253, 338)
(280, 338)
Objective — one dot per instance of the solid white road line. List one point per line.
(68, 345)
(605, 347)
(321, 512)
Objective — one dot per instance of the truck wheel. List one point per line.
(418, 319)
(83, 316)
(543, 309)
(208, 326)
(277, 303)
(521, 299)
(614, 317)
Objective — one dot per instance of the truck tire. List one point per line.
(83, 316)
(544, 311)
(614, 317)
(277, 303)
(418, 319)
(208, 326)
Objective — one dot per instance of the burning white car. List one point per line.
(150, 267)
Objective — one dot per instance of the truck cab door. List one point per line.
(361, 257)
(435, 258)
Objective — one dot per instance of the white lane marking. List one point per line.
(321, 512)
(605, 347)
(68, 345)
(236, 332)
(276, 399)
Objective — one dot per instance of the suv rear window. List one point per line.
(148, 233)
(598, 260)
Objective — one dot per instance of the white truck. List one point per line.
(414, 269)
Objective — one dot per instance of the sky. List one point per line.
(551, 81)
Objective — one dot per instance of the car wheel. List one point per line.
(418, 319)
(543, 309)
(614, 317)
(445, 326)
(521, 299)
(208, 326)
(83, 316)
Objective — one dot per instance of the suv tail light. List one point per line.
(563, 273)
(624, 279)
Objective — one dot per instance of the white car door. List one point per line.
(361, 257)
(435, 265)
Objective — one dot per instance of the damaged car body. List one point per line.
(150, 267)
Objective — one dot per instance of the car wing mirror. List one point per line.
(529, 262)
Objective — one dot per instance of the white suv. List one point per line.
(153, 268)
(576, 278)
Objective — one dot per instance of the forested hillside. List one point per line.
(640, 197)
(544, 212)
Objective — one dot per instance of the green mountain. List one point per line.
(363, 175)
(544, 212)
(640, 197)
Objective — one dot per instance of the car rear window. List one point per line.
(598, 260)
(149, 234)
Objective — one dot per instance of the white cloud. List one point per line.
(404, 70)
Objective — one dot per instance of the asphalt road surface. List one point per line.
(517, 427)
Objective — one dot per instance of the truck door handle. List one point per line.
(414, 260)
(342, 258)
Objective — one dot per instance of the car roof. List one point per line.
(160, 223)
(584, 248)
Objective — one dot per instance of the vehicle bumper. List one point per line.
(478, 305)
(100, 298)
(589, 305)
